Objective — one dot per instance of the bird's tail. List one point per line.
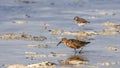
(87, 42)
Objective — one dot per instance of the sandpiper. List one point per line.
(73, 43)
(80, 21)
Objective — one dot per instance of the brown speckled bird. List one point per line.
(80, 21)
(73, 43)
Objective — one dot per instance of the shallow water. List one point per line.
(58, 15)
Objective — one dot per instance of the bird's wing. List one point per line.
(75, 42)
(83, 42)
(83, 20)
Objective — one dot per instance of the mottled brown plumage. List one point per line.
(80, 21)
(73, 43)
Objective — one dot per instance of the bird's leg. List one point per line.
(81, 50)
(81, 28)
(75, 51)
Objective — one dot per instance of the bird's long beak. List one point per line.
(59, 43)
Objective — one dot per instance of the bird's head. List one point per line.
(76, 18)
(62, 41)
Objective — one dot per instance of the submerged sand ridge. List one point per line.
(21, 36)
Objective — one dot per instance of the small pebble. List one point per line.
(55, 31)
(112, 48)
(20, 22)
(44, 26)
(39, 45)
(108, 63)
(31, 53)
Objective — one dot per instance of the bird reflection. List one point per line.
(75, 60)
